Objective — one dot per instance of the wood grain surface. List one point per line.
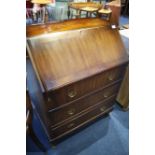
(33, 30)
(80, 64)
(65, 57)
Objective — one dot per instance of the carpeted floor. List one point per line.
(106, 136)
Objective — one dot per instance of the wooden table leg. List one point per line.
(79, 13)
(109, 16)
(87, 14)
(44, 12)
(68, 12)
(97, 14)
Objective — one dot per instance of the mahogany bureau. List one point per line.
(79, 66)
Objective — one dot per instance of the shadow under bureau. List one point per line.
(79, 65)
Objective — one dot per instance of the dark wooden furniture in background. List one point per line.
(125, 7)
(79, 72)
(29, 128)
(115, 6)
(123, 94)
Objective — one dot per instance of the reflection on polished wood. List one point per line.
(80, 68)
(34, 30)
(84, 54)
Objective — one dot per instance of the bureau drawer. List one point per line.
(82, 120)
(81, 88)
(71, 110)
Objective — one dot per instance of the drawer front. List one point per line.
(77, 90)
(81, 120)
(71, 110)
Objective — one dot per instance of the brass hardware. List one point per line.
(70, 125)
(105, 95)
(72, 94)
(49, 100)
(71, 112)
(110, 78)
(102, 109)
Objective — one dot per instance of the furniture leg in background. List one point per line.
(106, 13)
(68, 12)
(42, 4)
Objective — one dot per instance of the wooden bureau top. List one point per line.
(34, 30)
(62, 58)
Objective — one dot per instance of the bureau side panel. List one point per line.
(37, 96)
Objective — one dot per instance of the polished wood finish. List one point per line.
(85, 55)
(40, 29)
(79, 72)
(81, 120)
(86, 86)
(115, 6)
(72, 109)
(123, 94)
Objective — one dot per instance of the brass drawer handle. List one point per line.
(70, 125)
(105, 95)
(71, 112)
(72, 94)
(48, 99)
(110, 78)
(102, 109)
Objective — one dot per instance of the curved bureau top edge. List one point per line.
(73, 24)
(48, 35)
